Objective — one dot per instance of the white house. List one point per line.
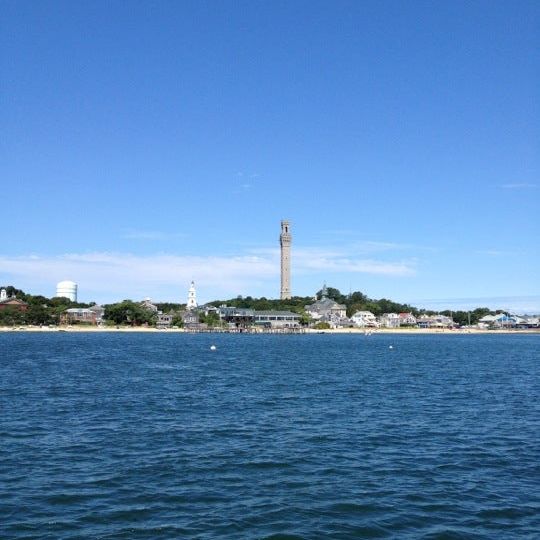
(364, 319)
(390, 320)
(407, 319)
(435, 321)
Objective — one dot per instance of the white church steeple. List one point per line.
(192, 297)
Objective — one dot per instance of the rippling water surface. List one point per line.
(150, 436)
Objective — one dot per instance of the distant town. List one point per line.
(328, 309)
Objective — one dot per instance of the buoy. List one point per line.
(390, 347)
(213, 347)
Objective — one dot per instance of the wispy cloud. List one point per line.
(245, 181)
(493, 252)
(513, 304)
(519, 185)
(346, 236)
(112, 276)
(335, 260)
(132, 234)
(309, 260)
(109, 276)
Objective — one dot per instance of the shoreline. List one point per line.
(359, 331)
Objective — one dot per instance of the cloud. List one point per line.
(132, 234)
(308, 260)
(493, 252)
(522, 185)
(105, 276)
(110, 276)
(371, 246)
(311, 260)
(514, 304)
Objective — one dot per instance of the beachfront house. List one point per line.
(435, 321)
(99, 312)
(78, 316)
(389, 320)
(164, 320)
(190, 319)
(528, 322)
(11, 302)
(326, 308)
(364, 319)
(236, 317)
(407, 319)
(147, 304)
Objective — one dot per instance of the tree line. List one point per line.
(47, 311)
(41, 310)
(353, 302)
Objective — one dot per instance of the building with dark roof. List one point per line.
(276, 319)
(12, 302)
(326, 308)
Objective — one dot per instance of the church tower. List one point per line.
(192, 297)
(285, 240)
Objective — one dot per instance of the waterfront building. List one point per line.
(190, 318)
(390, 320)
(238, 317)
(192, 297)
(276, 319)
(336, 321)
(435, 321)
(164, 320)
(407, 319)
(78, 315)
(501, 320)
(209, 308)
(99, 312)
(364, 319)
(244, 318)
(285, 241)
(326, 308)
(528, 322)
(11, 302)
(147, 304)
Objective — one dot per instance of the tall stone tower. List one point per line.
(192, 297)
(285, 240)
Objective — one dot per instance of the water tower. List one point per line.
(67, 289)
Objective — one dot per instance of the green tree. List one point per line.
(38, 314)
(211, 319)
(478, 313)
(129, 312)
(305, 319)
(178, 321)
(321, 325)
(11, 315)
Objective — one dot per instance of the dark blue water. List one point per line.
(150, 436)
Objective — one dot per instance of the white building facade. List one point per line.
(192, 297)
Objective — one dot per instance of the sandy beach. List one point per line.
(360, 331)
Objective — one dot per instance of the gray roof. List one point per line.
(326, 303)
(272, 313)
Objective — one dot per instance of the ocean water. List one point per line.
(151, 436)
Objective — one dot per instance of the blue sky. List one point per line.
(145, 144)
